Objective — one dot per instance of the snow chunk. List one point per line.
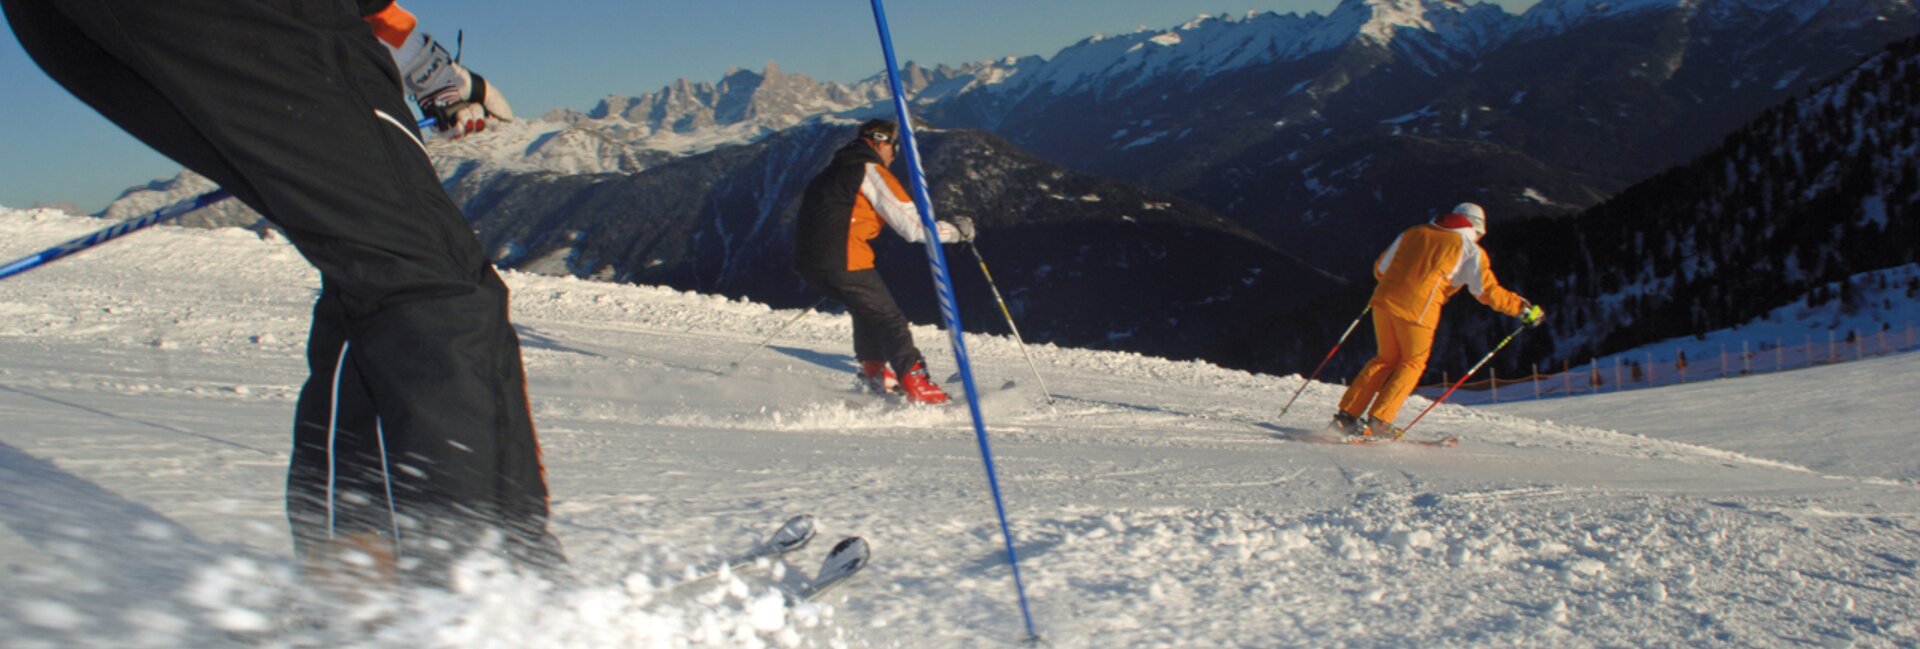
(1655, 593)
(768, 612)
(51, 615)
(1585, 567)
(1292, 538)
(1354, 548)
(1411, 539)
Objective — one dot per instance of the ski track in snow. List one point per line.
(148, 387)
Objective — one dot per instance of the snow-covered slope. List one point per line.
(1869, 314)
(1864, 305)
(147, 387)
(1831, 416)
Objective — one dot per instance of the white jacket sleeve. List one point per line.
(1473, 263)
(899, 213)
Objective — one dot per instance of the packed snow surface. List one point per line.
(148, 385)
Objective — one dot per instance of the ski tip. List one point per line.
(795, 533)
(852, 544)
(851, 552)
(848, 557)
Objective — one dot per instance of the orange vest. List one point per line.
(866, 223)
(1427, 265)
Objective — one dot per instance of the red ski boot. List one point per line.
(878, 378)
(919, 389)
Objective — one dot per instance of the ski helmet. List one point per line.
(883, 131)
(1474, 215)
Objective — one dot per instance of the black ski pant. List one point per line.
(880, 329)
(296, 109)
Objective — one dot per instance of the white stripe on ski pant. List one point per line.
(380, 438)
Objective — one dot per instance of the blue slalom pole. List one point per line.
(943, 288)
(124, 228)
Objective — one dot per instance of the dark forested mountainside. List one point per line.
(1810, 193)
(1425, 104)
(1082, 260)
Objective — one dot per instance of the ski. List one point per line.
(897, 397)
(1334, 435)
(793, 535)
(1399, 436)
(846, 559)
(893, 400)
(1337, 434)
(1444, 442)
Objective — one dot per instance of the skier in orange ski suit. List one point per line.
(1424, 267)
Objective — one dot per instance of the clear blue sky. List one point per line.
(569, 54)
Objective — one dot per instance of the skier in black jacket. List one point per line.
(413, 440)
(840, 212)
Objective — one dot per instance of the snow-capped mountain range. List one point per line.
(624, 134)
(1321, 134)
(1162, 100)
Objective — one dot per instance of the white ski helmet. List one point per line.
(1475, 215)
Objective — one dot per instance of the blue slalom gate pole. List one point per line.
(124, 228)
(943, 287)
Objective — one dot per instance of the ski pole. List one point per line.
(776, 334)
(1323, 361)
(1010, 325)
(112, 232)
(124, 228)
(1463, 378)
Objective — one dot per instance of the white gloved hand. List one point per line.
(963, 226)
(458, 100)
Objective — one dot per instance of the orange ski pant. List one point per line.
(1394, 371)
